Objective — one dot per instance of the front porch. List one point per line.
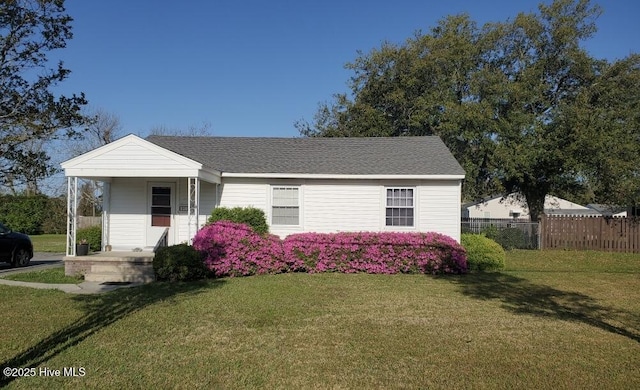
(150, 196)
(139, 215)
(116, 266)
(140, 212)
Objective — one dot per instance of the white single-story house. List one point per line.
(514, 207)
(165, 187)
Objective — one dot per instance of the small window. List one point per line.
(400, 207)
(285, 206)
(161, 206)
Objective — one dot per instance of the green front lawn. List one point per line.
(561, 320)
(51, 275)
(54, 243)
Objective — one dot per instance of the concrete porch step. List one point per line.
(127, 268)
(120, 272)
(123, 257)
(119, 277)
(114, 266)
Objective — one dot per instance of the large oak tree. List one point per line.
(515, 101)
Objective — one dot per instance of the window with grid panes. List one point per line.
(161, 206)
(399, 207)
(285, 207)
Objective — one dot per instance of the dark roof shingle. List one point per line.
(339, 156)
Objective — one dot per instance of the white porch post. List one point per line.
(193, 210)
(72, 206)
(106, 213)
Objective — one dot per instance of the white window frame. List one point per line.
(274, 206)
(412, 207)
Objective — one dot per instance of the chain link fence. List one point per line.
(510, 233)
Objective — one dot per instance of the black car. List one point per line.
(15, 248)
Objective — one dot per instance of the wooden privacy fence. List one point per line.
(590, 233)
(84, 222)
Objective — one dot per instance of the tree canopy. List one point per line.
(30, 113)
(520, 103)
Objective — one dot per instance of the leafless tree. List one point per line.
(202, 130)
(102, 127)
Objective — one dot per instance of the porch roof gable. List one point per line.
(132, 156)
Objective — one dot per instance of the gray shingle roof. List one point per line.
(339, 156)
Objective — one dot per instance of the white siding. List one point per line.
(244, 192)
(351, 205)
(207, 201)
(439, 207)
(496, 208)
(504, 208)
(135, 158)
(332, 206)
(128, 218)
(131, 156)
(326, 206)
(127, 156)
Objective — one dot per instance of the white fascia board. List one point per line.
(88, 173)
(330, 176)
(210, 176)
(96, 178)
(107, 175)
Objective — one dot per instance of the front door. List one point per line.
(160, 212)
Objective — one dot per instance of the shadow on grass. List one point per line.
(520, 296)
(102, 310)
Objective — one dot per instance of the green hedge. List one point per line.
(483, 253)
(179, 263)
(23, 213)
(34, 214)
(93, 236)
(251, 216)
(55, 219)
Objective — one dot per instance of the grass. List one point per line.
(51, 275)
(551, 320)
(573, 261)
(53, 243)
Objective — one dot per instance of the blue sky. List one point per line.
(252, 68)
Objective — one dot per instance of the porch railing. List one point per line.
(163, 241)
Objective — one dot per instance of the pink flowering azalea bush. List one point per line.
(375, 253)
(233, 249)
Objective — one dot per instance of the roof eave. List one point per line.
(341, 176)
